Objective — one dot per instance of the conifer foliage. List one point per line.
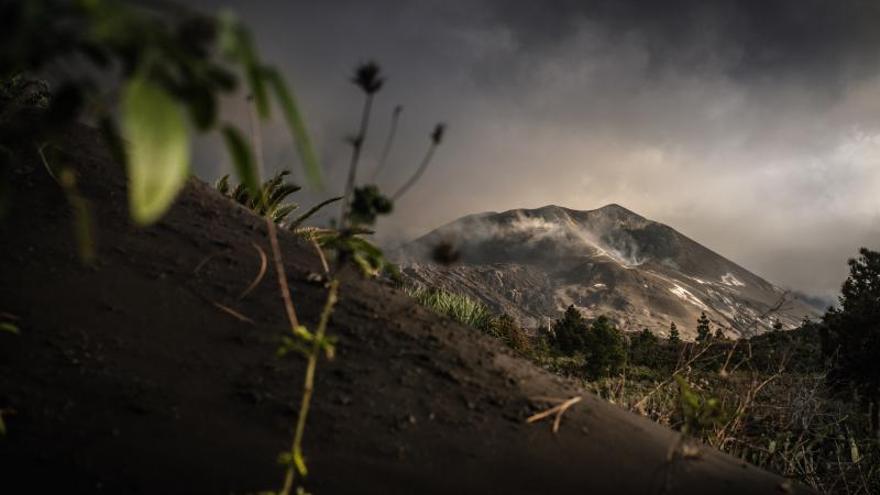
(851, 333)
(704, 331)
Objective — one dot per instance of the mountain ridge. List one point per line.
(533, 263)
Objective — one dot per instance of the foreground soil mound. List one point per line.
(128, 377)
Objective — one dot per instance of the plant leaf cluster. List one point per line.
(170, 65)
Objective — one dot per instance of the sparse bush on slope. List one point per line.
(459, 307)
(467, 311)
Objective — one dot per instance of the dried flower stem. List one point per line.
(386, 149)
(356, 146)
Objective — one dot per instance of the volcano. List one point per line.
(534, 263)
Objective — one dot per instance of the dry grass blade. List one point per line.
(236, 314)
(679, 369)
(206, 259)
(321, 255)
(558, 410)
(264, 263)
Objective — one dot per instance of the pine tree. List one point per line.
(777, 325)
(673, 333)
(569, 332)
(703, 329)
(643, 348)
(851, 334)
(605, 349)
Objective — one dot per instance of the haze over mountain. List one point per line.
(752, 125)
(532, 264)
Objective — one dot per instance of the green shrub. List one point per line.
(643, 349)
(505, 328)
(604, 349)
(569, 332)
(459, 307)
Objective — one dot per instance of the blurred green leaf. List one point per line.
(9, 327)
(297, 126)
(289, 345)
(236, 42)
(305, 216)
(154, 126)
(285, 458)
(300, 463)
(83, 226)
(202, 107)
(243, 159)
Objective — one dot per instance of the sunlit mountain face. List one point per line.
(643, 274)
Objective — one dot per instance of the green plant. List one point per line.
(851, 334)
(459, 307)
(361, 206)
(271, 201)
(506, 329)
(699, 412)
(368, 203)
(604, 349)
(349, 245)
(310, 345)
(674, 336)
(368, 78)
(173, 67)
(643, 348)
(569, 333)
(704, 331)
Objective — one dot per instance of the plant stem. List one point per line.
(386, 150)
(356, 146)
(305, 216)
(412, 180)
(309, 386)
(282, 275)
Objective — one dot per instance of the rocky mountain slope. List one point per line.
(532, 264)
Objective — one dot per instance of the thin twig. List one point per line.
(675, 373)
(282, 275)
(558, 410)
(236, 314)
(321, 255)
(260, 274)
(46, 163)
(386, 150)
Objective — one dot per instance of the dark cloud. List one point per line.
(749, 39)
(751, 126)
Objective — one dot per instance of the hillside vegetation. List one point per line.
(766, 399)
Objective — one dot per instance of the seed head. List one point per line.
(367, 77)
(437, 135)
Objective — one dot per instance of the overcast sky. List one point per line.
(752, 126)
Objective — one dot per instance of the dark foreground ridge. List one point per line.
(128, 378)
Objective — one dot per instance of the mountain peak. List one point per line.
(532, 263)
(619, 211)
